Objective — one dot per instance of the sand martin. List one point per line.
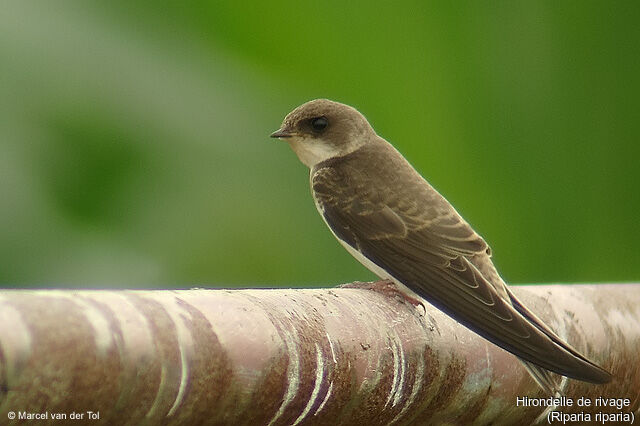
(397, 225)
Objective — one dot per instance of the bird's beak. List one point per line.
(282, 133)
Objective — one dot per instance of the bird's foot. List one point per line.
(387, 288)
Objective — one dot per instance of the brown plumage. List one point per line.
(397, 225)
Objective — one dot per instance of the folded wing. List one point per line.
(415, 235)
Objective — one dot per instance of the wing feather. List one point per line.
(415, 235)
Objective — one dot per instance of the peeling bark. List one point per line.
(293, 357)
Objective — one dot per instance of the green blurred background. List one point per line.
(134, 148)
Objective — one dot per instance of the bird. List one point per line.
(397, 225)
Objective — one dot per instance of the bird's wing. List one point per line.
(415, 235)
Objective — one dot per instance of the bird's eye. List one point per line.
(319, 124)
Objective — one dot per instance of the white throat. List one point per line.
(311, 151)
(314, 151)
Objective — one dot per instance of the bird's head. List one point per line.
(323, 129)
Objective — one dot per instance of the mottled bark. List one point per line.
(292, 357)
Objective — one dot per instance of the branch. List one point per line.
(282, 357)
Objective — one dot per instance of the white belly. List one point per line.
(364, 260)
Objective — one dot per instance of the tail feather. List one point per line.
(596, 373)
(549, 382)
